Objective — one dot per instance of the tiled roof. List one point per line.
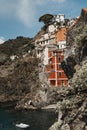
(85, 10)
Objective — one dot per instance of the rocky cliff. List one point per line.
(72, 101)
(18, 70)
(76, 49)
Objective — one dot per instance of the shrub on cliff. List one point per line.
(46, 18)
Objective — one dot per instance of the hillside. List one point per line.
(14, 47)
(77, 37)
(21, 78)
(18, 74)
(76, 50)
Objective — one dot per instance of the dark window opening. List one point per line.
(59, 59)
(60, 74)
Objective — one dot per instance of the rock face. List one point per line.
(21, 80)
(72, 104)
(72, 101)
(76, 44)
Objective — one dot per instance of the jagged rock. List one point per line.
(3, 58)
(56, 125)
(65, 127)
(78, 125)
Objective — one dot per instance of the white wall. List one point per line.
(45, 57)
(59, 18)
(62, 44)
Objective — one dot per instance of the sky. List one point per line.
(20, 17)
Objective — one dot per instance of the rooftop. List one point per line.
(85, 10)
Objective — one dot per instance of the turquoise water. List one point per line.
(38, 120)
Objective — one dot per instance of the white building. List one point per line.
(45, 56)
(59, 18)
(62, 44)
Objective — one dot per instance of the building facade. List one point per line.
(55, 73)
(50, 48)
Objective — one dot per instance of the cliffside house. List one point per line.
(55, 73)
(45, 39)
(59, 19)
(50, 48)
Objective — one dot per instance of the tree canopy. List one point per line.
(46, 18)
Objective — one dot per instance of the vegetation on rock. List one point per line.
(18, 76)
(46, 18)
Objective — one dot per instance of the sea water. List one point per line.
(38, 120)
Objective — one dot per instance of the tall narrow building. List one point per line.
(50, 48)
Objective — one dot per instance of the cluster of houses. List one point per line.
(50, 48)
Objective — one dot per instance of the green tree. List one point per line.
(46, 18)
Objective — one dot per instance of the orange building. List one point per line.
(50, 48)
(56, 75)
(53, 55)
(61, 34)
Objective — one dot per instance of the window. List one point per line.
(60, 74)
(62, 82)
(55, 53)
(50, 61)
(51, 66)
(59, 66)
(59, 59)
(43, 42)
(46, 41)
